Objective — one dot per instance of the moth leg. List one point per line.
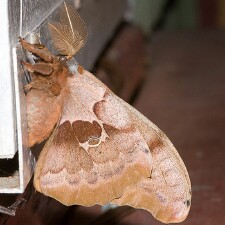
(36, 83)
(40, 67)
(37, 49)
(28, 87)
(45, 84)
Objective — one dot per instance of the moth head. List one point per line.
(70, 63)
(62, 58)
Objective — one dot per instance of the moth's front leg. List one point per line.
(37, 69)
(40, 67)
(38, 49)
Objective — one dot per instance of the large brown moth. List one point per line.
(100, 149)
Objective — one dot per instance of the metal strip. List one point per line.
(7, 122)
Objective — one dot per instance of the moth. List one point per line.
(99, 149)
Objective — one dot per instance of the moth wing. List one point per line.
(95, 152)
(167, 193)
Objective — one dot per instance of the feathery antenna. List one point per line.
(69, 34)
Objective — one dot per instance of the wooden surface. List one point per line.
(122, 68)
(102, 18)
(185, 96)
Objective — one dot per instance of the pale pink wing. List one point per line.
(95, 152)
(167, 193)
